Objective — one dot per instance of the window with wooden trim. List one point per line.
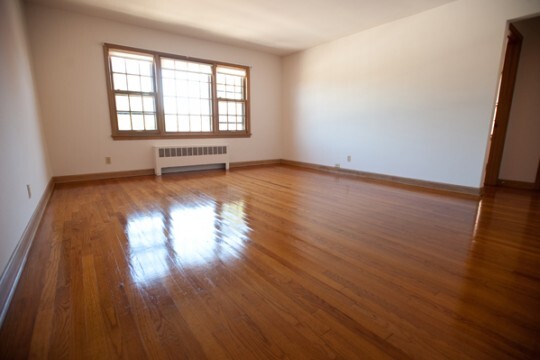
(157, 95)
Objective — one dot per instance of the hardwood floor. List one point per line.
(278, 263)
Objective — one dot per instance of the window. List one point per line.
(156, 95)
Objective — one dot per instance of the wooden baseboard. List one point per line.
(15, 265)
(372, 176)
(514, 184)
(254, 163)
(144, 172)
(101, 176)
(390, 179)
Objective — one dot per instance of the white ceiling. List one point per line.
(277, 26)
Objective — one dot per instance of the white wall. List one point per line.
(522, 145)
(23, 157)
(413, 98)
(70, 76)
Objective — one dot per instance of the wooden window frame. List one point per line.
(160, 133)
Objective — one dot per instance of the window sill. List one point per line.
(179, 136)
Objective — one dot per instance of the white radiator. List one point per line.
(173, 156)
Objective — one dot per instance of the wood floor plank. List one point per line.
(43, 326)
(278, 262)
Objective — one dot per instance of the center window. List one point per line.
(187, 95)
(155, 95)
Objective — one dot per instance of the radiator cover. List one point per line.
(175, 156)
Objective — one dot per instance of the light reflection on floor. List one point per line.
(192, 235)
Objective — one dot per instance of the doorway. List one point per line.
(514, 157)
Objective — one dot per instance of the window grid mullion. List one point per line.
(215, 110)
(160, 112)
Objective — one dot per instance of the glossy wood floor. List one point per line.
(278, 263)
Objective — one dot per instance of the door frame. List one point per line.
(503, 106)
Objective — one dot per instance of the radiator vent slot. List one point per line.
(175, 156)
(192, 151)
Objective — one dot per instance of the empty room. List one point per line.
(255, 179)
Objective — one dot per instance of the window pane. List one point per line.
(193, 67)
(231, 71)
(134, 83)
(206, 123)
(171, 124)
(182, 75)
(207, 69)
(135, 103)
(206, 108)
(183, 123)
(181, 65)
(132, 67)
(194, 89)
(131, 55)
(195, 123)
(194, 106)
(205, 90)
(146, 68)
(167, 63)
(169, 104)
(240, 108)
(124, 122)
(182, 88)
(146, 84)
(231, 108)
(167, 74)
(122, 103)
(137, 121)
(183, 106)
(148, 104)
(118, 64)
(120, 82)
(222, 107)
(169, 87)
(150, 122)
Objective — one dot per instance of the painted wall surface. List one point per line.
(413, 98)
(522, 146)
(70, 77)
(23, 157)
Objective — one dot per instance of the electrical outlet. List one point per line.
(349, 158)
(108, 160)
(338, 165)
(29, 191)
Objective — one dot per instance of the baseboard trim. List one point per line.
(514, 184)
(145, 172)
(329, 169)
(430, 185)
(101, 176)
(12, 273)
(254, 163)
